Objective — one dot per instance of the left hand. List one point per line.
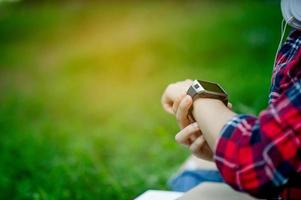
(173, 94)
(182, 111)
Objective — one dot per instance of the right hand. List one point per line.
(192, 138)
(191, 135)
(173, 95)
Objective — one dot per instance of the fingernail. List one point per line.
(177, 137)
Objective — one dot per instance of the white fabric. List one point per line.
(159, 195)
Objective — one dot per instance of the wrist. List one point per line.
(207, 103)
(211, 116)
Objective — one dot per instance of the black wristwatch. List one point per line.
(205, 89)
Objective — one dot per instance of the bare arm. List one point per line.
(211, 116)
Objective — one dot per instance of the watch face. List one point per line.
(211, 87)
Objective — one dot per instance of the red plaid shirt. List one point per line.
(262, 155)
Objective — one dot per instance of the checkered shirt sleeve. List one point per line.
(260, 154)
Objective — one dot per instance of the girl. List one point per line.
(260, 155)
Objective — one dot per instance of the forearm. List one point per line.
(211, 116)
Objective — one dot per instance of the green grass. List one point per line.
(80, 114)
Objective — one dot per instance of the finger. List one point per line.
(166, 103)
(168, 108)
(192, 138)
(184, 135)
(229, 106)
(183, 111)
(177, 103)
(196, 146)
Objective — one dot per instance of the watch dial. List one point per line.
(211, 87)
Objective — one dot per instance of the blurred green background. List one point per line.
(80, 87)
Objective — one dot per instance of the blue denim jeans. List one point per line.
(191, 178)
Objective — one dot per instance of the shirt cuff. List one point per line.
(234, 125)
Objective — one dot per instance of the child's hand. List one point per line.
(191, 135)
(181, 111)
(192, 138)
(173, 95)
